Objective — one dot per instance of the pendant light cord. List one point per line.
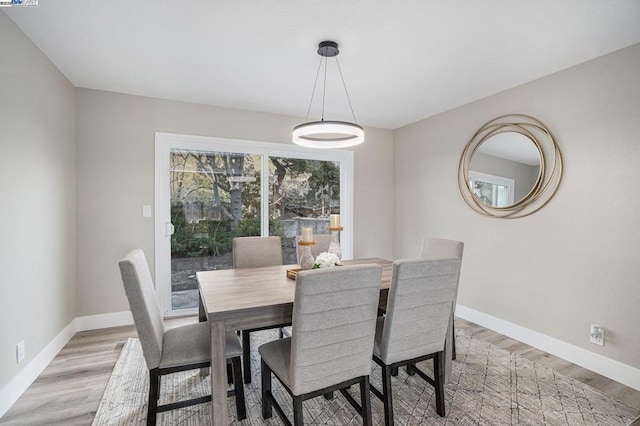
(315, 83)
(345, 91)
(324, 88)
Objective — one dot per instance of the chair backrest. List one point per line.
(256, 252)
(334, 323)
(439, 248)
(144, 305)
(419, 306)
(322, 245)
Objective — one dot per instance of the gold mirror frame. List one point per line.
(549, 176)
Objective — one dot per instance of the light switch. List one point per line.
(146, 211)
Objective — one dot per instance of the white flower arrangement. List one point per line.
(326, 260)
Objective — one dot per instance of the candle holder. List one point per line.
(306, 259)
(334, 247)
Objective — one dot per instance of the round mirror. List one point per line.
(505, 169)
(510, 168)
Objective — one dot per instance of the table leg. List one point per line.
(218, 373)
(202, 314)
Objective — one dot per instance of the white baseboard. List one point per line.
(25, 377)
(95, 322)
(16, 387)
(615, 370)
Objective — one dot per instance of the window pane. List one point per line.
(215, 196)
(491, 194)
(301, 193)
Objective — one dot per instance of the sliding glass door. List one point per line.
(214, 196)
(302, 192)
(210, 190)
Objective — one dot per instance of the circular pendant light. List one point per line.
(328, 133)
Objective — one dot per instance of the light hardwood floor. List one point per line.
(69, 390)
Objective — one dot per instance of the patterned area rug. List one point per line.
(489, 386)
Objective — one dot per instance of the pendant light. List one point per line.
(326, 133)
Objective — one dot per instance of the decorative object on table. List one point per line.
(293, 272)
(329, 133)
(335, 228)
(519, 142)
(306, 258)
(322, 244)
(326, 260)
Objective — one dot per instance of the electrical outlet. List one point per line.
(596, 335)
(146, 211)
(20, 352)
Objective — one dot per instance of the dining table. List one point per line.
(249, 298)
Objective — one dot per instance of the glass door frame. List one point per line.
(165, 142)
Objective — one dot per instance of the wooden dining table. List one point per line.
(241, 299)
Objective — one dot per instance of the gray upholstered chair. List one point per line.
(438, 248)
(323, 241)
(334, 321)
(170, 351)
(414, 329)
(433, 248)
(254, 252)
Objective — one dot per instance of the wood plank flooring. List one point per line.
(69, 390)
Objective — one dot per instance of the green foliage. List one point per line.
(211, 238)
(251, 227)
(220, 236)
(248, 227)
(299, 187)
(205, 238)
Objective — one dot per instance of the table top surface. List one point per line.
(234, 290)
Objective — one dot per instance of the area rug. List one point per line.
(489, 386)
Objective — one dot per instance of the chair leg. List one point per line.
(394, 371)
(246, 356)
(328, 396)
(365, 401)
(297, 411)
(238, 388)
(438, 376)
(154, 392)
(410, 370)
(229, 374)
(453, 347)
(265, 374)
(388, 397)
(204, 372)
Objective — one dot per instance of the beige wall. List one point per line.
(37, 196)
(116, 177)
(576, 261)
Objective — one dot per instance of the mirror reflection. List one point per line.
(504, 169)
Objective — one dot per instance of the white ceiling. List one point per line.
(402, 60)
